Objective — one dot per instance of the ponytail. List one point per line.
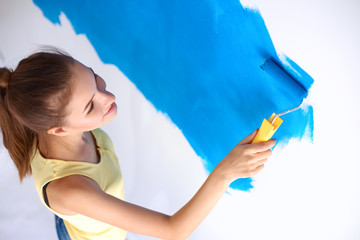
(16, 138)
(32, 99)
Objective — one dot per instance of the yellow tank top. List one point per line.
(106, 173)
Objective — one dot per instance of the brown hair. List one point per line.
(32, 99)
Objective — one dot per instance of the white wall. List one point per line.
(318, 200)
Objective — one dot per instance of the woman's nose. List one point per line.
(107, 98)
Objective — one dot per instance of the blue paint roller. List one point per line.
(289, 80)
(291, 86)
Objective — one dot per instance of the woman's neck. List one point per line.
(75, 147)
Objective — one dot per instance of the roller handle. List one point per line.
(267, 129)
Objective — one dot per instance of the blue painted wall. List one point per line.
(199, 63)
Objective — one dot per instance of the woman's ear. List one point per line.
(57, 131)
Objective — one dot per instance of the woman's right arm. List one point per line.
(244, 160)
(78, 194)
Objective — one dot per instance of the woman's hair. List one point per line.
(33, 98)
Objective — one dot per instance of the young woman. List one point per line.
(51, 108)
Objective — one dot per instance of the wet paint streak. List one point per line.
(199, 63)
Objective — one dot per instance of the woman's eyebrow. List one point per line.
(88, 104)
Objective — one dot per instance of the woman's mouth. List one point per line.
(112, 107)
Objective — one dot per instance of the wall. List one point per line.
(305, 182)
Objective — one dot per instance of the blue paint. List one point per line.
(198, 62)
(289, 84)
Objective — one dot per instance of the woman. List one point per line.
(51, 108)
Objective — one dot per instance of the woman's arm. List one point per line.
(78, 194)
(244, 160)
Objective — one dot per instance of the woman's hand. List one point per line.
(245, 159)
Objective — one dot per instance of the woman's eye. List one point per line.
(91, 107)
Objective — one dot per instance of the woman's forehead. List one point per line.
(82, 85)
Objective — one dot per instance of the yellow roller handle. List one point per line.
(267, 129)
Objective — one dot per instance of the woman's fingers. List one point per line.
(263, 146)
(262, 155)
(257, 170)
(249, 138)
(255, 163)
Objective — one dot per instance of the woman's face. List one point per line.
(90, 105)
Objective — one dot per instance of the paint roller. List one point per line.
(277, 71)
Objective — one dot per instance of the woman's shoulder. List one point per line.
(63, 192)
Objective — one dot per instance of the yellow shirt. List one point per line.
(106, 173)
